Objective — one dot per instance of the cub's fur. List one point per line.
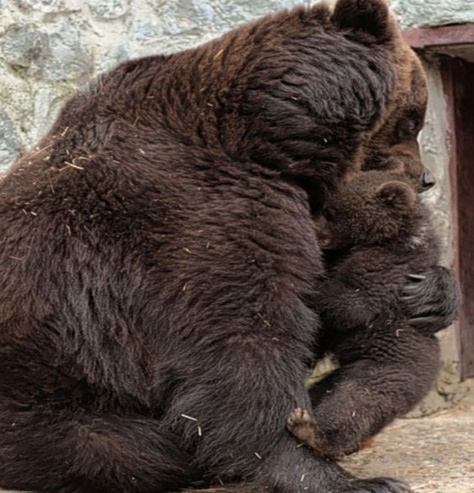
(378, 232)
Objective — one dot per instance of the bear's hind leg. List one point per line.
(239, 432)
(54, 451)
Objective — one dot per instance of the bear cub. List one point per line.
(376, 231)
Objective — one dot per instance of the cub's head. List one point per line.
(371, 209)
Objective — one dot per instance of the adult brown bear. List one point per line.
(158, 257)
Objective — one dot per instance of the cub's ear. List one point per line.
(369, 21)
(397, 194)
(323, 232)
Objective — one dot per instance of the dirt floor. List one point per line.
(433, 454)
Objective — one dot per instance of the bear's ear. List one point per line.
(397, 194)
(369, 21)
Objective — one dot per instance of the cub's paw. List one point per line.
(302, 424)
(378, 485)
(304, 427)
(431, 299)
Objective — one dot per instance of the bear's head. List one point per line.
(312, 93)
(371, 209)
(331, 93)
(392, 144)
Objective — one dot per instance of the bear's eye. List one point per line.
(409, 128)
(412, 126)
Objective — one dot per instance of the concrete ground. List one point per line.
(433, 454)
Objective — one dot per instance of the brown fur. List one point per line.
(378, 232)
(158, 259)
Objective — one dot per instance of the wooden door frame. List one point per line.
(457, 75)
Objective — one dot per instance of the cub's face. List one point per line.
(393, 146)
(372, 208)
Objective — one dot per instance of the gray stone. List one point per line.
(16, 99)
(110, 60)
(54, 55)
(48, 100)
(68, 58)
(183, 16)
(145, 31)
(49, 6)
(10, 144)
(239, 11)
(25, 48)
(422, 13)
(109, 9)
(147, 37)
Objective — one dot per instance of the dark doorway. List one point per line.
(454, 47)
(458, 79)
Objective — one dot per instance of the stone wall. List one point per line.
(423, 13)
(50, 47)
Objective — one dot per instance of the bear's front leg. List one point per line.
(238, 430)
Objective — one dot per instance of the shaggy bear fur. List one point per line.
(381, 232)
(158, 259)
